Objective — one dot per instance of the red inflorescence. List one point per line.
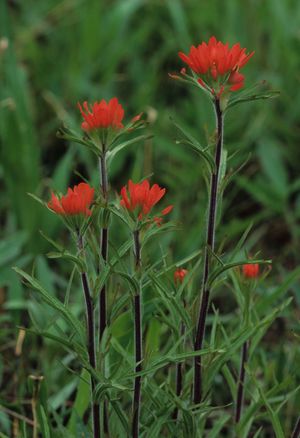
(140, 198)
(102, 115)
(251, 270)
(179, 275)
(77, 201)
(217, 65)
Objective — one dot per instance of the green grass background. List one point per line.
(62, 52)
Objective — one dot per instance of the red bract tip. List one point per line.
(179, 275)
(102, 115)
(251, 270)
(140, 198)
(217, 64)
(76, 201)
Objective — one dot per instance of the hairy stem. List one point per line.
(179, 377)
(241, 383)
(103, 243)
(90, 341)
(210, 241)
(138, 343)
(296, 431)
(104, 255)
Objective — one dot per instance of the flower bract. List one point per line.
(139, 199)
(77, 201)
(179, 275)
(251, 270)
(217, 66)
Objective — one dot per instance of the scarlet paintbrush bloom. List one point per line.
(179, 275)
(251, 270)
(77, 201)
(140, 198)
(102, 115)
(217, 65)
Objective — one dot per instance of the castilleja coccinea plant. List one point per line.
(92, 216)
(138, 199)
(74, 208)
(216, 70)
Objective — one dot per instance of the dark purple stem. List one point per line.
(210, 240)
(296, 431)
(104, 255)
(103, 243)
(138, 343)
(91, 342)
(179, 377)
(241, 383)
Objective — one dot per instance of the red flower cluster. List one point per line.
(251, 270)
(76, 201)
(179, 275)
(217, 65)
(142, 198)
(102, 115)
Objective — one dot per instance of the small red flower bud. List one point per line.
(179, 275)
(251, 270)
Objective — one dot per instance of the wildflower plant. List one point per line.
(146, 381)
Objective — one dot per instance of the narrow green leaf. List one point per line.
(52, 301)
(215, 274)
(116, 149)
(66, 255)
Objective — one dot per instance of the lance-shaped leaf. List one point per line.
(190, 141)
(251, 95)
(52, 301)
(134, 285)
(115, 150)
(70, 135)
(66, 255)
(217, 272)
(167, 360)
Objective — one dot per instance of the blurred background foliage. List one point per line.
(55, 53)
